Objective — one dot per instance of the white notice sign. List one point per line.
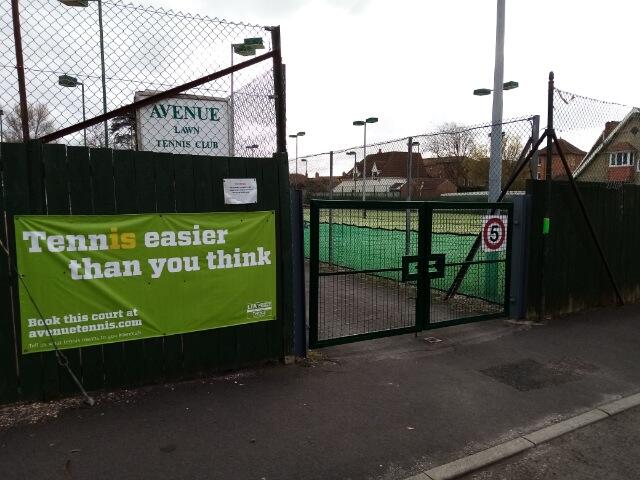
(186, 124)
(239, 191)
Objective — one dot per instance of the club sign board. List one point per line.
(494, 233)
(184, 124)
(97, 279)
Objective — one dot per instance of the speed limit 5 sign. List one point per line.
(494, 233)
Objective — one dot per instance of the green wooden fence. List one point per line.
(55, 179)
(574, 277)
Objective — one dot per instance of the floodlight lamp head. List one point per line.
(67, 81)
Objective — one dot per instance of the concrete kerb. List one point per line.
(482, 459)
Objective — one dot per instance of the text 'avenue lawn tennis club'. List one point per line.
(101, 279)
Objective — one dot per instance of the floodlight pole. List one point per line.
(363, 123)
(495, 165)
(84, 114)
(296, 154)
(364, 165)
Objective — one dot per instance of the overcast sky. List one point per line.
(414, 64)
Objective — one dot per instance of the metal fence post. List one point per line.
(299, 307)
(331, 209)
(535, 135)
(407, 248)
(22, 89)
(547, 198)
(279, 92)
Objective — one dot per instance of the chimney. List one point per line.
(609, 127)
(317, 174)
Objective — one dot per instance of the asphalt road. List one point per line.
(609, 450)
(383, 409)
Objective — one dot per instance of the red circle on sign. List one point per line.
(493, 244)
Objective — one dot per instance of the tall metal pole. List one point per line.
(22, 89)
(279, 91)
(548, 174)
(364, 165)
(330, 210)
(542, 307)
(84, 115)
(355, 166)
(495, 167)
(104, 77)
(409, 187)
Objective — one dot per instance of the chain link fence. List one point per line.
(454, 159)
(86, 57)
(600, 139)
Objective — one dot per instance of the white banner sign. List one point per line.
(187, 124)
(240, 191)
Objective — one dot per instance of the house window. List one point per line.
(622, 159)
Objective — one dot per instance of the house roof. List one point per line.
(379, 184)
(567, 149)
(390, 164)
(608, 135)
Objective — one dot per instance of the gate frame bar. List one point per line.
(423, 287)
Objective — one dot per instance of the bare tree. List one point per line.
(40, 122)
(123, 130)
(95, 136)
(511, 149)
(452, 140)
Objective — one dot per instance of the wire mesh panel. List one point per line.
(600, 140)
(382, 268)
(475, 242)
(358, 289)
(452, 159)
(85, 58)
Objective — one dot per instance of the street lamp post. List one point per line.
(299, 134)
(245, 49)
(360, 123)
(71, 82)
(85, 3)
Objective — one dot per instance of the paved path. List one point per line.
(606, 450)
(383, 409)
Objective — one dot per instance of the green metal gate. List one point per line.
(381, 268)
